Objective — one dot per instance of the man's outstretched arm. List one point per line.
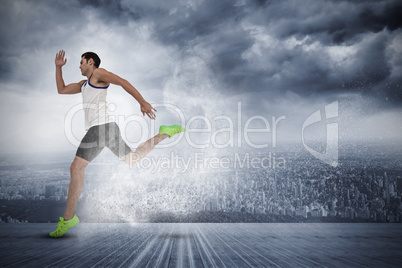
(61, 87)
(102, 75)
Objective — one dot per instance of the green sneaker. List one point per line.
(171, 130)
(64, 226)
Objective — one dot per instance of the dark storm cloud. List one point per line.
(370, 67)
(28, 27)
(112, 10)
(330, 22)
(174, 22)
(187, 24)
(337, 23)
(224, 32)
(215, 28)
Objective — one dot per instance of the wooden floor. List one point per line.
(203, 245)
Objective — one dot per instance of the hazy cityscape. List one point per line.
(363, 188)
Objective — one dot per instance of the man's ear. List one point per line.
(91, 61)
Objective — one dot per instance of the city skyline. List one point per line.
(364, 187)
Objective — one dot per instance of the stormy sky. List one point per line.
(208, 58)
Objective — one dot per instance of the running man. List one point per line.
(101, 129)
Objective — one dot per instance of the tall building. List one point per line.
(386, 182)
(386, 187)
(399, 184)
(300, 188)
(50, 190)
(275, 188)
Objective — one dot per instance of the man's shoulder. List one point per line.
(99, 72)
(99, 75)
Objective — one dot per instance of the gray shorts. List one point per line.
(100, 136)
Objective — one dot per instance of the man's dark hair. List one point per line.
(92, 55)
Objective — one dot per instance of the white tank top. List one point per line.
(94, 104)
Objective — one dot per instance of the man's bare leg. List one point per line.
(69, 220)
(77, 171)
(134, 158)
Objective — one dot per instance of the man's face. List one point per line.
(84, 66)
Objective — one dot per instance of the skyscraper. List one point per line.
(50, 190)
(399, 184)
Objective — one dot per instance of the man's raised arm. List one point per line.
(61, 87)
(108, 77)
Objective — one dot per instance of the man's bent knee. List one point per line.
(78, 163)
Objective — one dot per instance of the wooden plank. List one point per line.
(203, 245)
